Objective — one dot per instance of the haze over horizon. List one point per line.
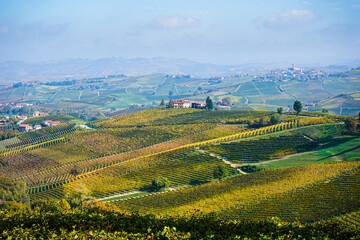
(230, 32)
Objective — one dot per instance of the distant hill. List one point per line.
(109, 91)
(11, 71)
(344, 104)
(75, 68)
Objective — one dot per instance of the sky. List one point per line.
(220, 32)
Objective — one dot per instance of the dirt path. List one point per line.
(118, 195)
(233, 165)
(322, 86)
(340, 109)
(257, 88)
(309, 138)
(25, 91)
(52, 97)
(247, 100)
(237, 89)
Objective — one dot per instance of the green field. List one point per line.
(337, 94)
(339, 149)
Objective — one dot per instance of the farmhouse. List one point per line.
(37, 127)
(37, 113)
(187, 104)
(25, 127)
(51, 123)
(198, 105)
(181, 104)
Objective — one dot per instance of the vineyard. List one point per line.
(59, 175)
(64, 157)
(181, 167)
(332, 197)
(40, 119)
(181, 116)
(262, 149)
(216, 196)
(351, 219)
(322, 133)
(118, 159)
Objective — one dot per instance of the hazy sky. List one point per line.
(222, 32)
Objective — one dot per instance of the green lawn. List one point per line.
(345, 148)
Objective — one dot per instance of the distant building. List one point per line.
(37, 127)
(181, 104)
(20, 105)
(188, 104)
(25, 127)
(51, 123)
(37, 113)
(3, 121)
(198, 105)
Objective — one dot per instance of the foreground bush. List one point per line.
(74, 224)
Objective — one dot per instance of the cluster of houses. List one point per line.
(4, 121)
(187, 104)
(28, 127)
(291, 74)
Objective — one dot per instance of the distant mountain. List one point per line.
(13, 71)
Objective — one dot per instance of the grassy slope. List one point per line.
(339, 149)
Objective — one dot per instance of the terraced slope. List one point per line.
(262, 149)
(335, 196)
(181, 167)
(351, 219)
(237, 191)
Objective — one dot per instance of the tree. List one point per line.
(226, 101)
(209, 104)
(160, 184)
(262, 122)
(14, 120)
(171, 104)
(351, 126)
(280, 110)
(220, 172)
(162, 102)
(250, 168)
(77, 198)
(76, 170)
(47, 205)
(275, 119)
(11, 190)
(297, 106)
(324, 110)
